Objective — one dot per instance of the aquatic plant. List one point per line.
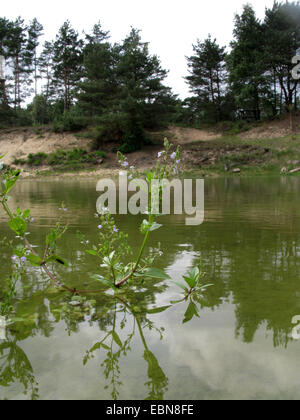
(112, 249)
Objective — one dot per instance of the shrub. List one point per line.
(69, 121)
(63, 158)
(36, 159)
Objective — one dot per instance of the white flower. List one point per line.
(173, 155)
(159, 154)
(125, 164)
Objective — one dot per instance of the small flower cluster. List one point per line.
(17, 260)
(123, 161)
(168, 163)
(63, 207)
(110, 237)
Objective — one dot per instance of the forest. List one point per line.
(84, 80)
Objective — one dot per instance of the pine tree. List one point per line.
(98, 35)
(67, 62)
(207, 69)
(98, 89)
(123, 88)
(282, 40)
(4, 32)
(140, 78)
(247, 62)
(46, 70)
(17, 55)
(34, 33)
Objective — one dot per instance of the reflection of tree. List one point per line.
(15, 366)
(158, 381)
(249, 245)
(252, 257)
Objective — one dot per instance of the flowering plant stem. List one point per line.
(125, 279)
(29, 247)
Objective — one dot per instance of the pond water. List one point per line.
(240, 347)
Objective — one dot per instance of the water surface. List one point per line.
(239, 347)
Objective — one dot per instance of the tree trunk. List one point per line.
(3, 89)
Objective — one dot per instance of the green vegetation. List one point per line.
(253, 157)
(117, 91)
(63, 159)
(112, 251)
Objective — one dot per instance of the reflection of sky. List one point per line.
(221, 367)
(203, 358)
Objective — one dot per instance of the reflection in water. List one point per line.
(158, 381)
(115, 318)
(250, 247)
(15, 367)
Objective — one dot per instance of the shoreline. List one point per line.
(114, 172)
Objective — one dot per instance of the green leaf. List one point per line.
(156, 273)
(145, 226)
(111, 255)
(182, 286)
(102, 280)
(51, 237)
(205, 286)
(34, 260)
(105, 346)
(174, 302)
(9, 183)
(190, 281)
(190, 312)
(18, 225)
(154, 226)
(26, 214)
(92, 252)
(149, 176)
(158, 310)
(117, 338)
(194, 272)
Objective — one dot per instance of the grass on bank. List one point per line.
(67, 159)
(226, 154)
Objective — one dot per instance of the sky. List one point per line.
(170, 26)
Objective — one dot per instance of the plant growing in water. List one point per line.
(112, 249)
